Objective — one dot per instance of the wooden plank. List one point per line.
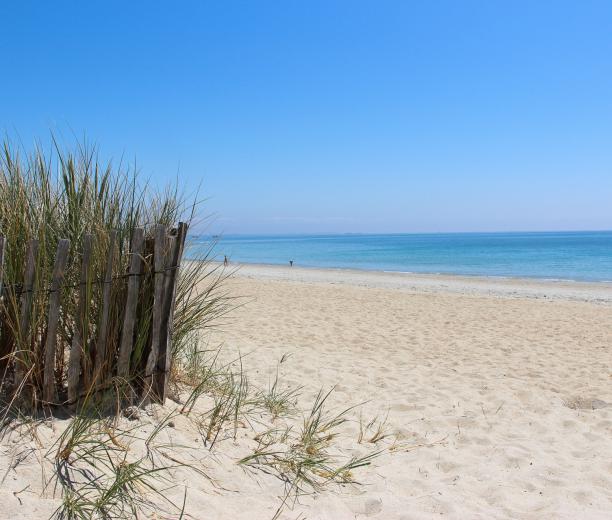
(159, 263)
(165, 354)
(158, 375)
(4, 340)
(131, 301)
(101, 348)
(22, 359)
(2, 249)
(79, 338)
(59, 268)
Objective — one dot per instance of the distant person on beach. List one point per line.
(290, 263)
(225, 261)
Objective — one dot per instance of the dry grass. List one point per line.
(373, 431)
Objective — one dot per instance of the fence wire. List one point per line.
(18, 287)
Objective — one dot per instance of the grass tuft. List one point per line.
(373, 431)
(279, 402)
(303, 459)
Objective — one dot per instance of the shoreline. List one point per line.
(502, 287)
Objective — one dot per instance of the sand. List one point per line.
(497, 394)
(496, 375)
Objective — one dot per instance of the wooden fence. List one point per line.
(62, 340)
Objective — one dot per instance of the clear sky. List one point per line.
(333, 116)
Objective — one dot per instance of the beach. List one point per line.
(497, 391)
(477, 398)
(306, 261)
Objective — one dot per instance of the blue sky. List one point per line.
(333, 116)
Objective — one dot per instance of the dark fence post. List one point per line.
(159, 273)
(4, 341)
(59, 267)
(2, 248)
(171, 278)
(79, 338)
(23, 354)
(131, 302)
(101, 354)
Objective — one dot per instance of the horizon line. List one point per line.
(338, 233)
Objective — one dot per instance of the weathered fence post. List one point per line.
(131, 302)
(165, 354)
(59, 267)
(100, 361)
(79, 338)
(2, 248)
(3, 340)
(159, 257)
(23, 358)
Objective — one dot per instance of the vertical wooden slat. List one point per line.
(171, 278)
(131, 301)
(101, 353)
(159, 263)
(59, 267)
(79, 337)
(2, 248)
(158, 376)
(4, 342)
(22, 356)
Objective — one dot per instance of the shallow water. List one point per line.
(554, 255)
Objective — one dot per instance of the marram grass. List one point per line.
(97, 472)
(67, 193)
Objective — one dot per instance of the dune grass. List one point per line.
(101, 467)
(278, 401)
(99, 475)
(68, 193)
(302, 458)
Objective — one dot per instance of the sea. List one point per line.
(576, 255)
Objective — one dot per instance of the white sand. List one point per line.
(489, 386)
(483, 369)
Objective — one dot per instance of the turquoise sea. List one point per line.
(552, 255)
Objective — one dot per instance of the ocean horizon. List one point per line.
(559, 255)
